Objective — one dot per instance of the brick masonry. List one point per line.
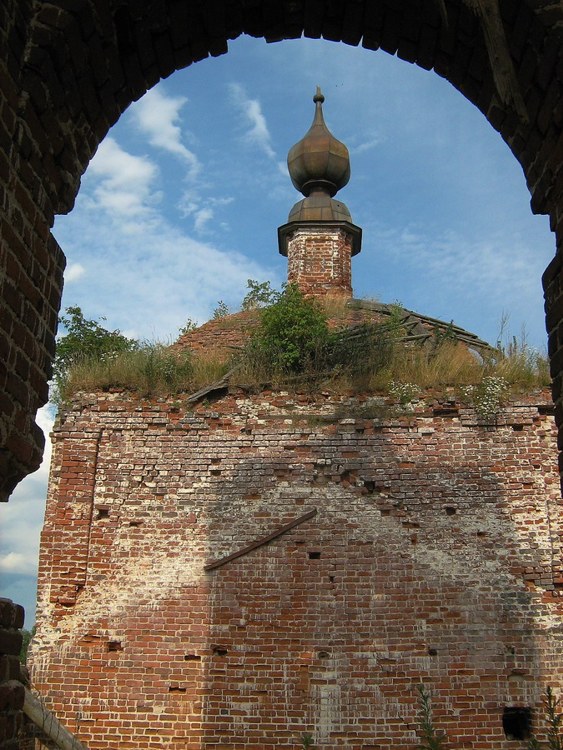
(434, 557)
(68, 71)
(320, 262)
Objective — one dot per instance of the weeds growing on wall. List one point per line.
(553, 720)
(294, 347)
(152, 369)
(430, 737)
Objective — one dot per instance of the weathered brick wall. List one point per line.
(320, 262)
(434, 557)
(69, 70)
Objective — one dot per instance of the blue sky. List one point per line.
(181, 204)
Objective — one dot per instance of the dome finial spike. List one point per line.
(318, 96)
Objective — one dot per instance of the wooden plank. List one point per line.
(260, 542)
(49, 724)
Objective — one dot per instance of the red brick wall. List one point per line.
(434, 557)
(320, 263)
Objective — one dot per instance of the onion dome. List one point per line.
(319, 165)
(319, 160)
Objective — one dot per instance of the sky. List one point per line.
(181, 203)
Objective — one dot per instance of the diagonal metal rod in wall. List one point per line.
(260, 542)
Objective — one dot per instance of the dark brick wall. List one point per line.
(11, 688)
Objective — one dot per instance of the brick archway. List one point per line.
(69, 69)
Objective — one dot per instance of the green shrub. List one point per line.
(84, 341)
(258, 295)
(293, 335)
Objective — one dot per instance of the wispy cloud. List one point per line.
(200, 208)
(73, 272)
(204, 215)
(14, 561)
(447, 274)
(157, 115)
(251, 111)
(149, 281)
(366, 145)
(124, 183)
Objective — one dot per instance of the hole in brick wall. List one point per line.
(517, 427)
(115, 646)
(134, 523)
(548, 410)
(450, 510)
(176, 689)
(432, 652)
(369, 485)
(192, 657)
(314, 555)
(323, 655)
(446, 411)
(517, 722)
(103, 512)
(219, 650)
(331, 579)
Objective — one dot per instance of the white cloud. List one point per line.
(157, 116)
(124, 183)
(148, 285)
(448, 274)
(201, 209)
(366, 145)
(13, 561)
(73, 272)
(258, 133)
(22, 517)
(203, 216)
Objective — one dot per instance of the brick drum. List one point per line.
(425, 549)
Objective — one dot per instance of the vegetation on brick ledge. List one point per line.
(294, 347)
